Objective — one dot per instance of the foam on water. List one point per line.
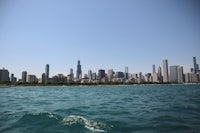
(89, 124)
(43, 121)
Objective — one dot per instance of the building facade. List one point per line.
(160, 74)
(4, 75)
(79, 71)
(101, 74)
(31, 79)
(173, 74)
(180, 74)
(165, 71)
(47, 73)
(24, 76)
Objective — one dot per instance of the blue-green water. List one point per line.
(117, 109)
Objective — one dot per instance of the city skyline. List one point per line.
(165, 74)
(102, 34)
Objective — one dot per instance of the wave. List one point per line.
(45, 122)
(89, 124)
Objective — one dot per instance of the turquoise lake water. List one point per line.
(112, 109)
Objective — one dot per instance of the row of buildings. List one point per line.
(166, 74)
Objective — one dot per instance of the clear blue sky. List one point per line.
(101, 33)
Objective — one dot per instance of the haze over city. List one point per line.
(102, 34)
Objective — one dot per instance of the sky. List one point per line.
(102, 34)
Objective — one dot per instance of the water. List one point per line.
(117, 109)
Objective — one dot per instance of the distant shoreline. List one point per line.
(98, 84)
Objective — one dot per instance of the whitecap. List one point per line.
(89, 124)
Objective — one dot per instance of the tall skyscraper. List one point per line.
(24, 76)
(126, 73)
(180, 74)
(4, 75)
(153, 68)
(195, 65)
(159, 74)
(173, 74)
(79, 71)
(165, 71)
(47, 73)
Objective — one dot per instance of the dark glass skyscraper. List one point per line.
(4, 75)
(24, 76)
(195, 65)
(78, 72)
(47, 73)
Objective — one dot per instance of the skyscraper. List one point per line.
(153, 68)
(195, 65)
(159, 74)
(180, 74)
(165, 71)
(47, 73)
(43, 77)
(4, 75)
(71, 73)
(79, 71)
(90, 74)
(24, 76)
(126, 73)
(173, 74)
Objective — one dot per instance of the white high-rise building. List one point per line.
(165, 71)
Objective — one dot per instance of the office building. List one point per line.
(191, 78)
(159, 74)
(110, 74)
(43, 78)
(180, 74)
(71, 73)
(47, 73)
(194, 78)
(195, 65)
(4, 75)
(165, 71)
(79, 71)
(119, 75)
(148, 77)
(94, 76)
(155, 77)
(24, 76)
(12, 78)
(31, 79)
(153, 68)
(126, 76)
(173, 74)
(101, 74)
(90, 75)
